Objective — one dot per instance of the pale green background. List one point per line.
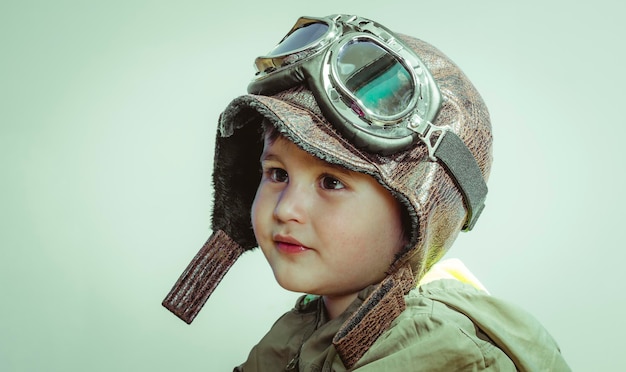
(108, 112)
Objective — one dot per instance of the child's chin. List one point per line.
(292, 284)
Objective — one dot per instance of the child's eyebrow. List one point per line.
(265, 155)
(270, 156)
(338, 168)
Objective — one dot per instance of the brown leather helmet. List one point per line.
(427, 187)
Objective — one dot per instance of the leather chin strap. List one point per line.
(379, 310)
(202, 275)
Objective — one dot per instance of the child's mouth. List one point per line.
(290, 248)
(289, 245)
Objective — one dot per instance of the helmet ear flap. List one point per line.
(236, 176)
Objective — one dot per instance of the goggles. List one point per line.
(374, 89)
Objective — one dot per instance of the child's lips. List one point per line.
(288, 244)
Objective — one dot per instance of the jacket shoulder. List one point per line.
(449, 325)
(431, 336)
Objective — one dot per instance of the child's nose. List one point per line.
(291, 204)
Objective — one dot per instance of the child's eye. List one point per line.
(278, 175)
(331, 183)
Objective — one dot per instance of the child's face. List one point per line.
(323, 229)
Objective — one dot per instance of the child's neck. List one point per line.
(335, 305)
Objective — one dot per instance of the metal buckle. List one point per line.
(426, 132)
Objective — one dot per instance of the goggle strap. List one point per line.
(460, 162)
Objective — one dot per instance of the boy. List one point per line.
(374, 149)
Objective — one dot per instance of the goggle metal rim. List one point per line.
(269, 63)
(413, 66)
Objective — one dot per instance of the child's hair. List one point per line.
(269, 131)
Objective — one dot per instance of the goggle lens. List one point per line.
(374, 76)
(300, 38)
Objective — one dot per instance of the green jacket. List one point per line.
(446, 326)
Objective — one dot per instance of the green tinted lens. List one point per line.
(299, 38)
(375, 77)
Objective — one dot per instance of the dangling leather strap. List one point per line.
(202, 275)
(370, 320)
